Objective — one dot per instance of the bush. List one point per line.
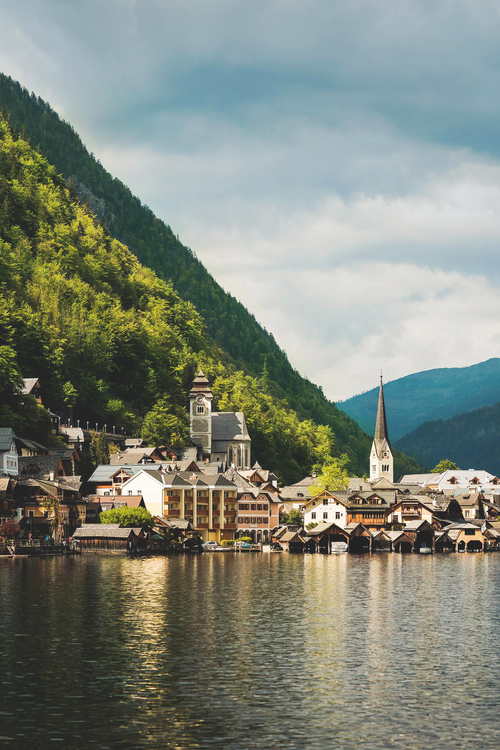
(227, 543)
(245, 539)
(10, 529)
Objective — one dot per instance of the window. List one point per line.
(470, 532)
(325, 515)
(252, 520)
(226, 494)
(467, 514)
(198, 520)
(313, 515)
(130, 492)
(325, 501)
(337, 515)
(200, 409)
(253, 506)
(31, 514)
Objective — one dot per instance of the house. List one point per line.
(47, 467)
(47, 507)
(326, 506)
(467, 537)
(208, 501)
(33, 388)
(449, 481)
(371, 509)
(411, 508)
(8, 452)
(258, 514)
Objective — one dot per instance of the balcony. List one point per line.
(172, 513)
(230, 526)
(228, 513)
(201, 526)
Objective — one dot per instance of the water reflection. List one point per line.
(255, 651)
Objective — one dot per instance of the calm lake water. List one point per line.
(253, 651)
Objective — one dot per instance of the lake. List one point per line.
(250, 651)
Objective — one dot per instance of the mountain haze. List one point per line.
(429, 395)
(471, 440)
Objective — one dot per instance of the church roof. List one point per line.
(229, 425)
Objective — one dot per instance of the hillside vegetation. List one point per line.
(424, 396)
(111, 353)
(470, 440)
(105, 335)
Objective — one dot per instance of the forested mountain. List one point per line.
(424, 396)
(108, 338)
(470, 440)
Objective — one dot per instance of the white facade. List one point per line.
(8, 461)
(151, 489)
(327, 508)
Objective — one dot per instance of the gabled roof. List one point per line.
(29, 384)
(103, 531)
(7, 437)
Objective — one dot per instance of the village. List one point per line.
(210, 496)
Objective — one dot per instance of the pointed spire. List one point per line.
(381, 432)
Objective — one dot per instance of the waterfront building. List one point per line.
(208, 501)
(327, 506)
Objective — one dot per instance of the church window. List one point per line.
(200, 409)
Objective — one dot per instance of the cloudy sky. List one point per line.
(334, 163)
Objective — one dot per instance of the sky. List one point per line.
(335, 164)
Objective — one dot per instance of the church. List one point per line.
(381, 459)
(220, 437)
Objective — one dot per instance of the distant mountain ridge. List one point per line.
(471, 440)
(426, 396)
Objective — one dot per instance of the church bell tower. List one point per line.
(200, 414)
(381, 459)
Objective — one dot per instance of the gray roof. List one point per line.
(104, 472)
(46, 465)
(7, 435)
(103, 531)
(227, 426)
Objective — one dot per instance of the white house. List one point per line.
(8, 452)
(327, 506)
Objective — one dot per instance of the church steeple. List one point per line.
(381, 459)
(381, 432)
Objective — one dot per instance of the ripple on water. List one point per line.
(257, 651)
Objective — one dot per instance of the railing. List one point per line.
(173, 513)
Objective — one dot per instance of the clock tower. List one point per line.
(200, 414)
(381, 459)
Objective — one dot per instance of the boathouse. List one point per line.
(108, 537)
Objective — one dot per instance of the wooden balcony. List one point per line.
(230, 526)
(201, 526)
(228, 513)
(172, 513)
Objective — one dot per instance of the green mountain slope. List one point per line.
(471, 440)
(234, 333)
(429, 395)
